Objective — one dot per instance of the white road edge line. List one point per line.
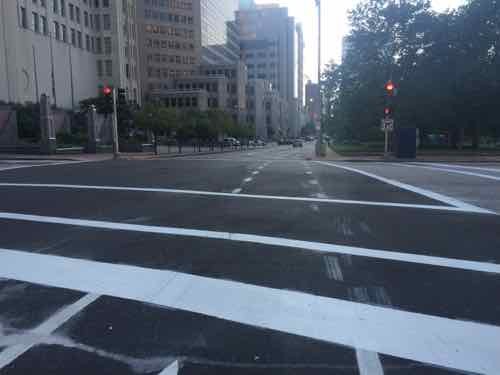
(458, 166)
(450, 343)
(369, 363)
(173, 369)
(456, 171)
(427, 193)
(45, 165)
(10, 354)
(249, 196)
(265, 240)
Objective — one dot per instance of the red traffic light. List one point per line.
(389, 86)
(387, 111)
(107, 90)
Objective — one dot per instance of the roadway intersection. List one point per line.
(258, 262)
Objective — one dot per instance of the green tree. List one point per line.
(158, 120)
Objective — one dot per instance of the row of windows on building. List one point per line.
(167, 17)
(153, 84)
(76, 15)
(173, 4)
(271, 76)
(39, 22)
(105, 69)
(168, 44)
(271, 65)
(163, 59)
(177, 102)
(209, 87)
(171, 31)
(260, 55)
(164, 73)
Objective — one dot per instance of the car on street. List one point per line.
(298, 143)
(231, 142)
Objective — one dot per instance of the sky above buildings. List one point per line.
(335, 26)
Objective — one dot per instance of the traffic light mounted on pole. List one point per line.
(110, 92)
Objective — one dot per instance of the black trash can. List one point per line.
(406, 143)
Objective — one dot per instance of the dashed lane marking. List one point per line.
(249, 179)
(237, 191)
(318, 199)
(10, 354)
(427, 193)
(265, 240)
(450, 343)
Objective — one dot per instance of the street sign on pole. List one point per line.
(387, 124)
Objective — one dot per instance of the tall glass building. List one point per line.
(219, 34)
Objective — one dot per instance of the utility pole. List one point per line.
(319, 146)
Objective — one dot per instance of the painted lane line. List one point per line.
(43, 165)
(456, 171)
(173, 369)
(313, 182)
(261, 167)
(400, 256)
(309, 173)
(369, 363)
(237, 191)
(255, 173)
(235, 195)
(496, 170)
(247, 180)
(427, 193)
(450, 343)
(48, 327)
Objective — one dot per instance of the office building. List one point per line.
(219, 34)
(268, 46)
(116, 44)
(300, 66)
(313, 105)
(67, 49)
(46, 48)
(169, 42)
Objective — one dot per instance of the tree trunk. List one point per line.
(157, 148)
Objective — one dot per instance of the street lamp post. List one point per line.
(320, 138)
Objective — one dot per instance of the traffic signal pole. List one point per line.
(116, 149)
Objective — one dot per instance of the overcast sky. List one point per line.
(335, 26)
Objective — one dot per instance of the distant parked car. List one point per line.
(298, 143)
(231, 142)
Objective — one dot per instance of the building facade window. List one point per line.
(63, 8)
(45, 26)
(107, 45)
(24, 19)
(98, 45)
(106, 22)
(36, 22)
(57, 31)
(109, 68)
(64, 33)
(71, 12)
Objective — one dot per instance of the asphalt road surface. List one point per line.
(260, 262)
